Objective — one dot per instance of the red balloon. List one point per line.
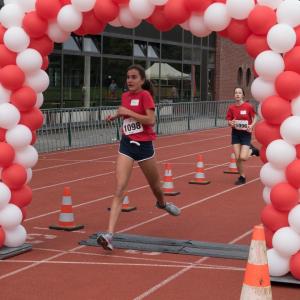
(14, 176)
(292, 173)
(121, 1)
(22, 196)
(269, 236)
(284, 196)
(292, 60)
(288, 85)
(256, 44)
(43, 45)
(159, 20)
(7, 57)
(47, 10)
(2, 237)
(176, 11)
(65, 2)
(198, 6)
(32, 118)
(275, 110)
(2, 134)
(262, 154)
(261, 19)
(2, 31)
(7, 155)
(12, 77)
(45, 64)
(238, 31)
(295, 265)
(265, 133)
(297, 149)
(90, 24)
(34, 25)
(106, 10)
(273, 218)
(24, 98)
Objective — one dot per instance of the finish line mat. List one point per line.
(186, 247)
(7, 252)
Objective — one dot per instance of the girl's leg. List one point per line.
(123, 172)
(245, 152)
(239, 162)
(150, 170)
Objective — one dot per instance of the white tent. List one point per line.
(167, 72)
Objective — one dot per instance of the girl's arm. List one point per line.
(254, 120)
(148, 119)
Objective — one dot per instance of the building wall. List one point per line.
(233, 68)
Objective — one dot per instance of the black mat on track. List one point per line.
(7, 252)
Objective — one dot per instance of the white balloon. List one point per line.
(295, 104)
(216, 17)
(294, 218)
(15, 237)
(197, 25)
(18, 136)
(278, 265)
(266, 195)
(9, 116)
(289, 130)
(39, 100)
(185, 25)
(11, 15)
(29, 60)
(262, 89)
(4, 94)
(127, 19)
(275, 152)
(83, 5)
(115, 22)
(238, 9)
(281, 38)
(141, 9)
(68, 18)
(269, 64)
(10, 216)
(16, 39)
(288, 12)
(5, 195)
(26, 5)
(29, 175)
(270, 3)
(270, 176)
(27, 157)
(56, 34)
(286, 241)
(158, 2)
(38, 81)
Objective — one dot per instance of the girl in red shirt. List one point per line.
(241, 118)
(138, 113)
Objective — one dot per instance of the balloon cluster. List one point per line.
(270, 31)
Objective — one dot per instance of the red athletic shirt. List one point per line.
(241, 112)
(138, 103)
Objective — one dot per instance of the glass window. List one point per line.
(147, 30)
(188, 37)
(89, 46)
(212, 40)
(140, 49)
(240, 76)
(117, 46)
(53, 94)
(197, 54)
(171, 52)
(187, 82)
(211, 84)
(196, 74)
(248, 76)
(71, 44)
(174, 35)
(119, 30)
(153, 50)
(95, 81)
(187, 53)
(73, 80)
(211, 57)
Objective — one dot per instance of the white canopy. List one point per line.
(167, 72)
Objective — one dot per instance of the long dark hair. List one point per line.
(239, 87)
(147, 85)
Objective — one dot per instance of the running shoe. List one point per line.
(105, 240)
(255, 151)
(241, 180)
(169, 207)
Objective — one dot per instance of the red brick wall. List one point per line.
(229, 58)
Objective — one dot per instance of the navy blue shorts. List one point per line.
(138, 151)
(240, 137)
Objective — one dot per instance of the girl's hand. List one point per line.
(232, 123)
(250, 128)
(110, 118)
(122, 111)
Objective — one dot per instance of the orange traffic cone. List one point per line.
(199, 176)
(256, 285)
(168, 185)
(125, 205)
(232, 169)
(66, 216)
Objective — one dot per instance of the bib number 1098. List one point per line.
(131, 126)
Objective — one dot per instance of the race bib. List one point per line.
(131, 126)
(241, 124)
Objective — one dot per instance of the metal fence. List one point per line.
(82, 127)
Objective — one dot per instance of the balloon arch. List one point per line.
(270, 31)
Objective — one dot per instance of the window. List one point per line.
(117, 46)
(240, 76)
(248, 76)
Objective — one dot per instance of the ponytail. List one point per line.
(148, 86)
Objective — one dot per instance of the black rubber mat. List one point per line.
(7, 252)
(288, 279)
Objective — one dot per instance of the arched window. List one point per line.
(248, 76)
(240, 76)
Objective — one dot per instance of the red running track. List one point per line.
(59, 268)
